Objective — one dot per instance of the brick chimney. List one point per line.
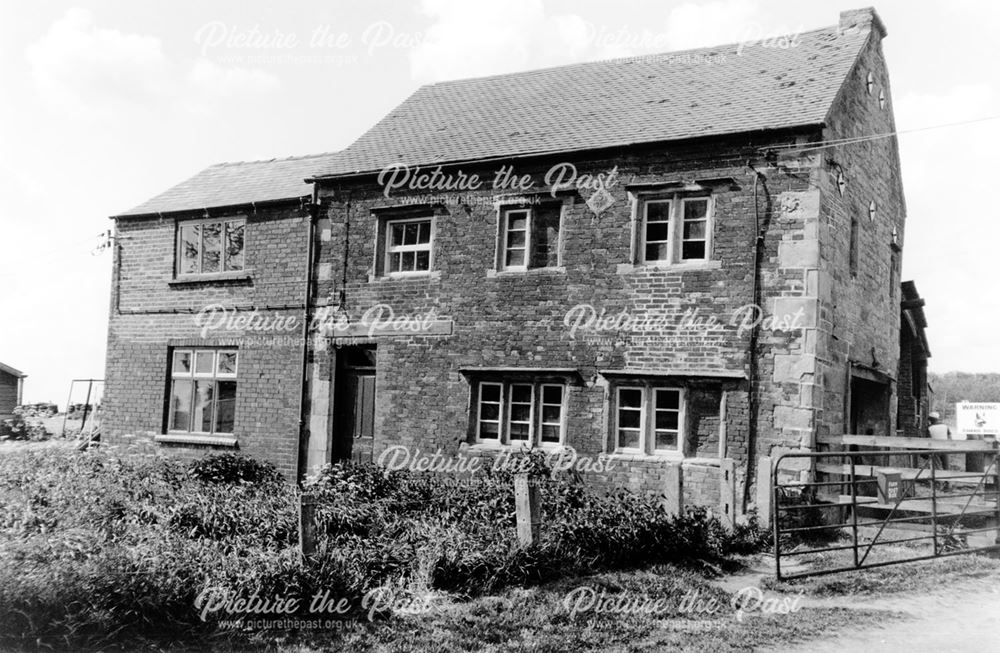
(863, 19)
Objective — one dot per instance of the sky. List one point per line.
(107, 103)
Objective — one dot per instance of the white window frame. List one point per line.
(479, 414)
(541, 415)
(534, 440)
(530, 441)
(679, 447)
(223, 221)
(647, 420)
(675, 233)
(391, 249)
(642, 418)
(194, 375)
(529, 216)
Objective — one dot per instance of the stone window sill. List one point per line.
(525, 272)
(629, 268)
(193, 438)
(433, 275)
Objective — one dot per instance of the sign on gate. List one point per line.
(977, 418)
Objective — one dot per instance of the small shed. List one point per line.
(11, 389)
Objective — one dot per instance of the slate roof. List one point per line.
(680, 95)
(230, 184)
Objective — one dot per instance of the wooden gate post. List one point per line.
(727, 491)
(307, 525)
(528, 510)
(674, 489)
(765, 490)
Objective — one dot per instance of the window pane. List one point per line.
(515, 257)
(408, 262)
(201, 412)
(225, 407)
(695, 209)
(657, 211)
(394, 262)
(516, 239)
(425, 232)
(204, 362)
(550, 434)
(212, 247)
(234, 245)
(180, 405)
(628, 438)
(517, 221)
(629, 419)
(489, 431)
(666, 439)
(668, 399)
(657, 231)
(227, 362)
(693, 250)
(190, 243)
(423, 261)
(412, 233)
(630, 398)
(520, 393)
(520, 412)
(551, 413)
(667, 419)
(545, 238)
(489, 411)
(656, 252)
(695, 229)
(182, 362)
(519, 431)
(489, 392)
(397, 234)
(552, 394)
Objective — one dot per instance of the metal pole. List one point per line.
(86, 405)
(934, 528)
(776, 527)
(854, 511)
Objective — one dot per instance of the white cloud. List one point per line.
(469, 39)
(216, 79)
(78, 65)
(951, 231)
(82, 69)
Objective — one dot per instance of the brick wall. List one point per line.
(860, 312)
(153, 314)
(516, 319)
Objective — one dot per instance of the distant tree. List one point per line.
(954, 387)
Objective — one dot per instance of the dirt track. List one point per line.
(960, 617)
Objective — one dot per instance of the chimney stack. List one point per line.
(866, 18)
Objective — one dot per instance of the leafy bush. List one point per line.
(19, 428)
(98, 549)
(234, 468)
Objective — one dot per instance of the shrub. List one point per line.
(18, 428)
(234, 468)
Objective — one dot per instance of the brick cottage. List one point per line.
(564, 258)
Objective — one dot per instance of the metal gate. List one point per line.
(830, 503)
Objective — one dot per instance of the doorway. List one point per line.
(354, 403)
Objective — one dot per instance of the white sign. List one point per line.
(974, 418)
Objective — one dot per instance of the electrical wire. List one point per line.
(819, 145)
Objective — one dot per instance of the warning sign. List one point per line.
(973, 418)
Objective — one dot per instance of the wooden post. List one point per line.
(765, 490)
(727, 490)
(674, 490)
(307, 525)
(528, 510)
